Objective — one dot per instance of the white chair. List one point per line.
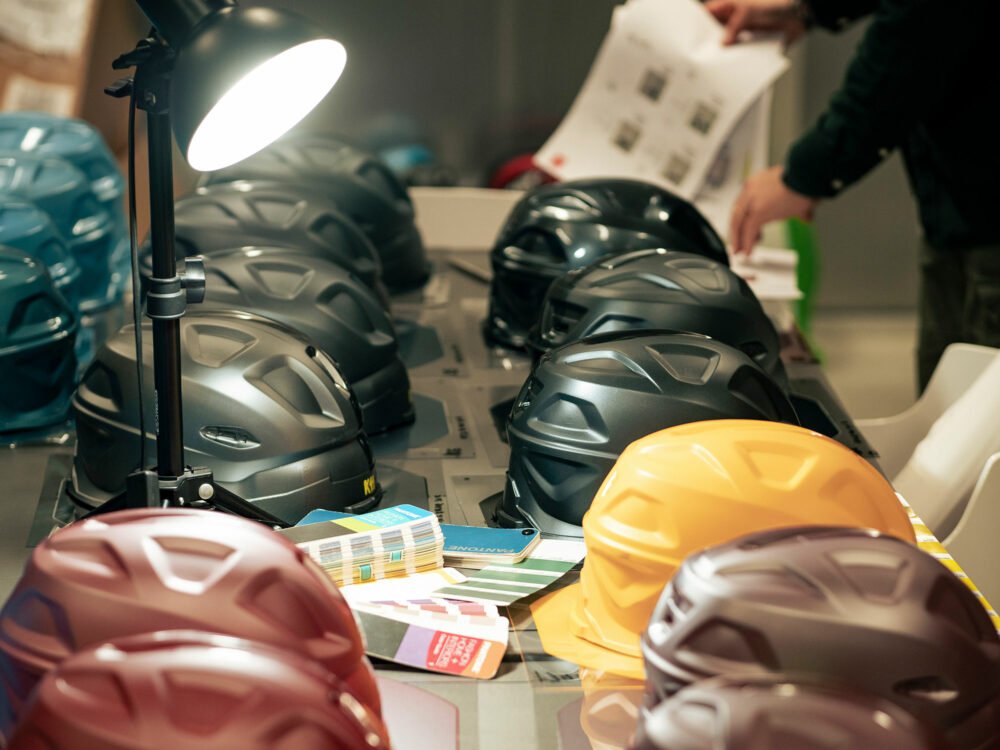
(895, 437)
(971, 537)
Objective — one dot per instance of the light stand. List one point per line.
(173, 484)
(240, 77)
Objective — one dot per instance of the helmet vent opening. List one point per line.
(731, 643)
(282, 605)
(687, 364)
(188, 564)
(205, 212)
(330, 229)
(875, 575)
(101, 386)
(214, 346)
(753, 387)
(609, 362)
(930, 689)
(281, 280)
(276, 212)
(700, 720)
(31, 618)
(39, 309)
(631, 283)
(345, 308)
(539, 243)
(202, 703)
(98, 696)
(709, 279)
(565, 315)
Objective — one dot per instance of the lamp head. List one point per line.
(243, 76)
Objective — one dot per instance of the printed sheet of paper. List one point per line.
(661, 99)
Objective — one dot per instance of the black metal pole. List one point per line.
(166, 332)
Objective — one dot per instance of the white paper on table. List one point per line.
(416, 586)
(471, 626)
(661, 98)
(771, 272)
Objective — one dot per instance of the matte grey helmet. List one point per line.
(219, 218)
(264, 409)
(747, 714)
(332, 308)
(38, 331)
(659, 289)
(585, 402)
(836, 606)
(558, 228)
(361, 186)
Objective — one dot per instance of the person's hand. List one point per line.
(758, 15)
(764, 198)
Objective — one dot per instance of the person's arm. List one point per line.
(906, 61)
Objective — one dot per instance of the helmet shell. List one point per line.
(27, 228)
(558, 228)
(586, 401)
(38, 331)
(266, 411)
(332, 309)
(742, 713)
(188, 690)
(142, 571)
(680, 490)
(361, 186)
(219, 218)
(659, 289)
(64, 193)
(839, 606)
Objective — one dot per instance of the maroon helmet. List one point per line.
(745, 714)
(186, 690)
(141, 571)
(834, 606)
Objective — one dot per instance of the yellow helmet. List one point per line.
(685, 488)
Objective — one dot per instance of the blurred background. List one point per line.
(478, 82)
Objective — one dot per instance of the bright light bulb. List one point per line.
(264, 104)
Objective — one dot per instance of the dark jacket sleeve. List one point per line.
(835, 15)
(904, 63)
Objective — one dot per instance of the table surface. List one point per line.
(450, 460)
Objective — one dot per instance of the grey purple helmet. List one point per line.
(219, 218)
(332, 308)
(264, 409)
(747, 714)
(659, 289)
(360, 185)
(38, 332)
(558, 228)
(836, 606)
(586, 401)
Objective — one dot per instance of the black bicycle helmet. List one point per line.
(223, 217)
(37, 334)
(558, 228)
(332, 309)
(838, 606)
(659, 289)
(586, 401)
(361, 186)
(27, 228)
(752, 714)
(266, 411)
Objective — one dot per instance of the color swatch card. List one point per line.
(390, 542)
(505, 584)
(478, 546)
(451, 650)
(412, 587)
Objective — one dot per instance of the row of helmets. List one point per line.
(770, 576)
(292, 359)
(184, 629)
(656, 423)
(63, 258)
(623, 293)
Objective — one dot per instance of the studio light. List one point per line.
(227, 81)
